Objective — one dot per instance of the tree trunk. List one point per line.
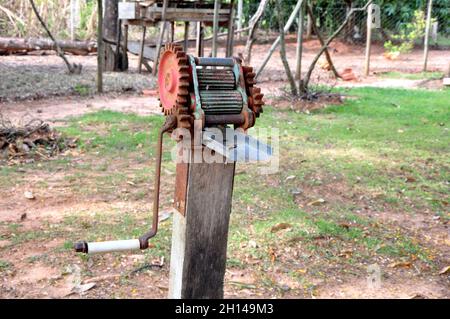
(309, 28)
(253, 25)
(322, 42)
(73, 68)
(112, 61)
(35, 44)
(330, 39)
(287, 68)
(350, 28)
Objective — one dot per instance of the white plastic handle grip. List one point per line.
(111, 246)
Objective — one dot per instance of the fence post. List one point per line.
(215, 28)
(100, 51)
(199, 45)
(427, 35)
(368, 39)
(199, 239)
(239, 16)
(301, 18)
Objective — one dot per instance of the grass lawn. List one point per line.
(413, 76)
(345, 172)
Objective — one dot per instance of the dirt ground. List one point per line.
(44, 279)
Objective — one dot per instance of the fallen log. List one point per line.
(11, 45)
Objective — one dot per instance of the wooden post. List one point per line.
(199, 239)
(199, 44)
(141, 49)
(161, 36)
(230, 37)
(368, 40)
(427, 35)
(186, 36)
(110, 29)
(308, 28)
(172, 31)
(125, 37)
(215, 28)
(100, 51)
(301, 18)
(118, 44)
(239, 16)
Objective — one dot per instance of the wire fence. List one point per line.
(402, 26)
(17, 19)
(393, 19)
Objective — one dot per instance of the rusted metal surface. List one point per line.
(235, 119)
(181, 181)
(169, 125)
(216, 91)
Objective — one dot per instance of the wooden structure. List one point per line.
(199, 239)
(209, 103)
(153, 13)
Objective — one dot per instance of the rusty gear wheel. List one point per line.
(256, 100)
(249, 76)
(255, 97)
(173, 83)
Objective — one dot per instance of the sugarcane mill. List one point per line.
(200, 95)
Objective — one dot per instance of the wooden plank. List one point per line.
(427, 36)
(368, 41)
(161, 37)
(100, 55)
(299, 51)
(199, 240)
(199, 43)
(135, 46)
(188, 11)
(196, 16)
(141, 49)
(215, 27)
(186, 37)
(230, 37)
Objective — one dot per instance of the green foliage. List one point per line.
(81, 89)
(86, 27)
(4, 265)
(413, 76)
(408, 35)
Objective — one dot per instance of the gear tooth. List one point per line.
(184, 84)
(183, 91)
(181, 99)
(247, 69)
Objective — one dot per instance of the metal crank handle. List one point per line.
(142, 242)
(107, 246)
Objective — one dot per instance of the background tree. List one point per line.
(112, 61)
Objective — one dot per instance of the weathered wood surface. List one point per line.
(134, 48)
(112, 61)
(36, 44)
(199, 240)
